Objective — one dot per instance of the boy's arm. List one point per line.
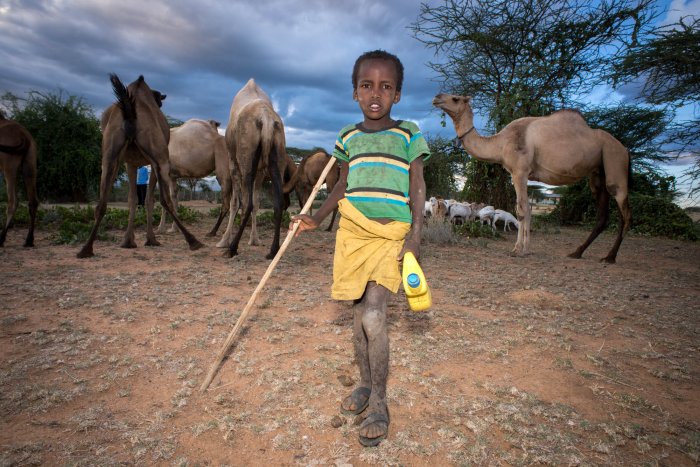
(416, 194)
(307, 222)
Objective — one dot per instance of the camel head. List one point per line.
(457, 107)
(159, 97)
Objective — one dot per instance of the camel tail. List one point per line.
(126, 104)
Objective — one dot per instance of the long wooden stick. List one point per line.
(237, 327)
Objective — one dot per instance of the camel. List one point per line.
(557, 149)
(256, 144)
(196, 149)
(18, 151)
(309, 171)
(135, 130)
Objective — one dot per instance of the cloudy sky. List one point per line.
(201, 52)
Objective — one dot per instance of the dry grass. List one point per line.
(521, 361)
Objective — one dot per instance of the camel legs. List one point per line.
(11, 170)
(29, 169)
(602, 215)
(109, 174)
(163, 174)
(247, 202)
(522, 244)
(129, 241)
(225, 205)
(277, 197)
(625, 223)
(150, 200)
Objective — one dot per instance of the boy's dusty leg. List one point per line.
(376, 425)
(356, 402)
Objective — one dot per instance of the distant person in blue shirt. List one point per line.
(142, 183)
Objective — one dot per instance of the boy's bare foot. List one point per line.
(356, 402)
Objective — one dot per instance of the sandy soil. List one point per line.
(533, 360)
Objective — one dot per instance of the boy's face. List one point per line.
(376, 92)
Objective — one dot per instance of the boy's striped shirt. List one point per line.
(378, 180)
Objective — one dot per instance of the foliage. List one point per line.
(475, 229)
(68, 139)
(267, 219)
(658, 217)
(522, 58)
(446, 160)
(637, 127)
(669, 65)
(653, 212)
(490, 184)
(535, 54)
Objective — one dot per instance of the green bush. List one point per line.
(475, 229)
(657, 217)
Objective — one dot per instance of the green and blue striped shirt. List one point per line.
(378, 180)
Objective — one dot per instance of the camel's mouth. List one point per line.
(437, 101)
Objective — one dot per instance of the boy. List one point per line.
(380, 195)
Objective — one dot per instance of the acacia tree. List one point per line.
(521, 58)
(669, 65)
(68, 140)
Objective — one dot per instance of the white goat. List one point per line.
(460, 211)
(486, 215)
(428, 209)
(506, 217)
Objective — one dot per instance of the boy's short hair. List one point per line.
(379, 55)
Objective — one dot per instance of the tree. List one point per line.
(669, 65)
(638, 128)
(445, 161)
(525, 58)
(68, 139)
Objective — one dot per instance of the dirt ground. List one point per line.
(539, 360)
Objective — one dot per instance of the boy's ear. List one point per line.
(397, 97)
(354, 94)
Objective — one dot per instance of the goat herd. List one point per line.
(135, 132)
(459, 212)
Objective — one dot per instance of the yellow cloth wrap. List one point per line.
(365, 251)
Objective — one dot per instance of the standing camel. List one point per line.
(309, 171)
(18, 151)
(135, 130)
(256, 144)
(196, 149)
(558, 149)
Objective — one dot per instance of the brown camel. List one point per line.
(256, 144)
(309, 171)
(196, 149)
(18, 150)
(135, 130)
(558, 149)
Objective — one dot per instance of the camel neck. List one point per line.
(483, 148)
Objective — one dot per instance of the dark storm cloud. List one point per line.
(200, 53)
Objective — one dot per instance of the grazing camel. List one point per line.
(256, 144)
(135, 130)
(558, 149)
(18, 151)
(309, 171)
(196, 149)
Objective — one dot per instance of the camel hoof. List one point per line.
(196, 245)
(85, 254)
(575, 255)
(210, 234)
(153, 242)
(607, 260)
(128, 245)
(229, 254)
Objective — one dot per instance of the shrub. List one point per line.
(436, 230)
